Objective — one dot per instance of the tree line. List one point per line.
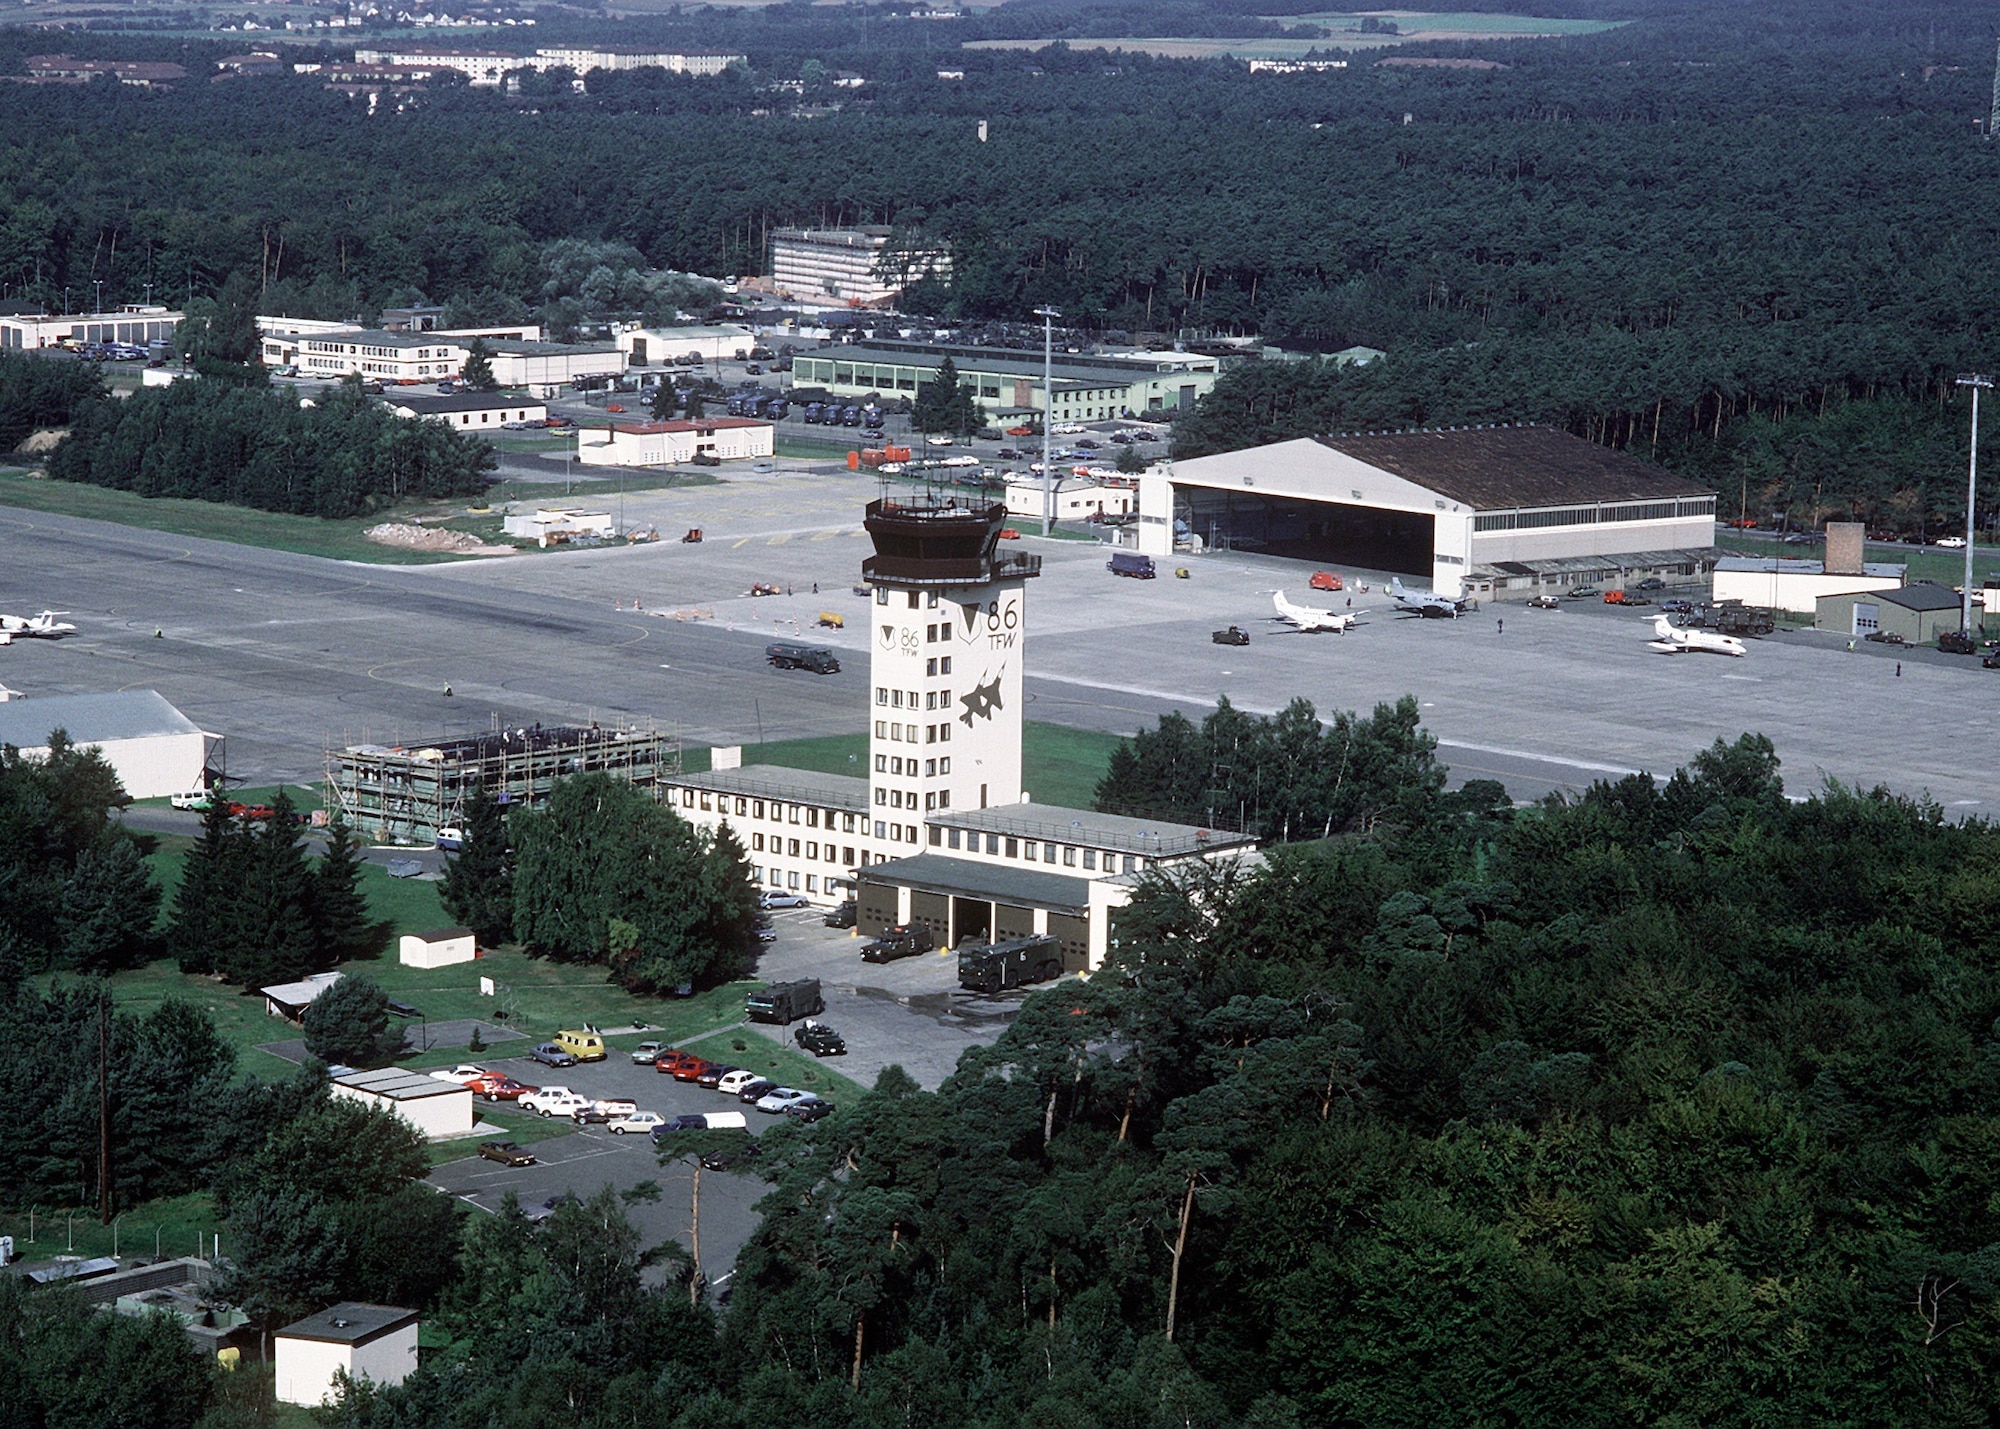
(601, 873)
(209, 439)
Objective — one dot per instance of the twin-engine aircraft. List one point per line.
(1427, 603)
(1311, 621)
(35, 627)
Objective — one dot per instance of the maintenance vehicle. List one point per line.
(816, 658)
(994, 967)
(785, 1002)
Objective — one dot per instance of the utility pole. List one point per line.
(103, 1107)
(1048, 315)
(1974, 380)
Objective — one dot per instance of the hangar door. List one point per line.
(1323, 532)
(1074, 934)
(874, 907)
(1010, 921)
(932, 911)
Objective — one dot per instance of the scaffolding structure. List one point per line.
(406, 793)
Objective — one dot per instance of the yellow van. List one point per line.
(584, 1046)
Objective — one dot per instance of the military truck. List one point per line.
(1730, 618)
(816, 658)
(901, 940)
(994, 967)
(820, 1040)
(785, 1002)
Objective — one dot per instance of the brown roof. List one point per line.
(1500, 468)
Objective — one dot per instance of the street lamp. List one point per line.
(99, 283)
(1974, 380)
(1048, 315)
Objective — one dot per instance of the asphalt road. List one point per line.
(288, 654)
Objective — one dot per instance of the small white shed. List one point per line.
(437, 1109)
(374, 1342)
(289, 1000)
(437, 949)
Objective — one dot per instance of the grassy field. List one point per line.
(172, 1225)
(782, 1065)
(306, 535)
(1412, 28)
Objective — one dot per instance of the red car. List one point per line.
(671, 1061)
(1008, 533)
(1325, 580)
(691, 1069)
(503, 1089)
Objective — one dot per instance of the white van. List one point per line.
(190, 799)
(725, 1121)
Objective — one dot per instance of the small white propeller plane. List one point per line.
(42, 627)
(1669, 639)
(1311, 621)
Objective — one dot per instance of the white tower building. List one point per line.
(950, 623)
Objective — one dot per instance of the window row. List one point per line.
(897, 764)
(907, 733)
(900, 699)
(776, 810)
(813, 849)
(1033, 850)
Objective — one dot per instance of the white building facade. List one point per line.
(137, 324)
(373, 1342)
(659, 443)
(153, 748)
(849, 265)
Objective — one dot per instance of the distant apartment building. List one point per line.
(851, 265)
(490, 67)
(64, 69)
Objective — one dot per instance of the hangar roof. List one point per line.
(91, 719)
(1501, 468)
(1921, 596)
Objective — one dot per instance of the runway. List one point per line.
(288, 655)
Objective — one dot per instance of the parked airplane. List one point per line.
(1309, 620)
(1669, 639)
(44, 626)
(1427, 603)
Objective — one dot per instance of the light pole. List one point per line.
(99, 284)
(1048, 315)
(1974, 380)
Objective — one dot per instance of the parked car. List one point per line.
(1950, 543)
(691, 1068)
(550, 1055)
(648, 1052)
(809, 1109)
(606, 1110)
(1234, 635)
(755, 1090)
(844, 916)
(506, 1090)
(550, 1097)
(732, 1083)
(638, 1121)
(1325, 580)
(712, 1075)
(778, 1098)
(193, 799)
(669, 1061)
(820, 1040)
(730, 1157)
(1584, 592)
(1652, 583)
(507, 1153)
(1544, 602)
(464, 1074)
(1884, 637)
(784, 900)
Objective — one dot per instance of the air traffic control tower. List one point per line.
(950, 623)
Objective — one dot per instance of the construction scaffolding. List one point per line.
(407, 793)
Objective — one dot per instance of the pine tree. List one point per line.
(665, 400)
(478, 370)
(339, 905)
(946, 404)
(348, 1023)
(109, 906)
(279, 941)
(694, 406)
(478, 884)
(205, 919)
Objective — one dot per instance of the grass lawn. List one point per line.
(171, 1224)
(743, 1048)
(1060, 766)
(307, 535)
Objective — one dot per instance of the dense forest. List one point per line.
(1676, 1102)
(1650, 235)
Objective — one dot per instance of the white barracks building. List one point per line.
(940, 832)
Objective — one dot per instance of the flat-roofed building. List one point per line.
(659, 443)
(851, 265)
(136, 324)
(377, 1343)
(437, 1109)
(1087, 387)
(154, 749)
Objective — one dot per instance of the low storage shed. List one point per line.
(373, 1342)
(437, 950)
(1916, 613)
(437, 1109)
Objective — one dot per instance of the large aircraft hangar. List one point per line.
(1483, 511)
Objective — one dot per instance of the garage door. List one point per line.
(875, 908)
(1867, 617)
(1323, 532)
(1074, 934)
(933, 911)
(1012, 922)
